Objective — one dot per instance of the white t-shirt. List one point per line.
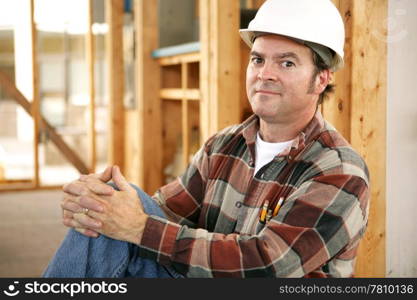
(265, 152)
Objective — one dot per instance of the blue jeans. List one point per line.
(81, 256)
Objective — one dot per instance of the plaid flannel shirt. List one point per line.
(213, 227)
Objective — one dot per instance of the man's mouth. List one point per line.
(268, 92)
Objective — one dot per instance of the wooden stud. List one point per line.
(147, 88)
(184, 118)
(26, 71)
(90, 58)
(114, 17)
(368, 122)
(177, 59)
(336, 109)
(17, 187)
(254, 4)
(36, 111)
(179, 94)
(205, 62)
(220, 65)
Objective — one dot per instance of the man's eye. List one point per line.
(287, 64)
(256, 60)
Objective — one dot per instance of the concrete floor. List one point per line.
(30, 231)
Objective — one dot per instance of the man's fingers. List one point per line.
(121, 181)
(87, 232)
(86, 221)
(91, 202)
(70, 205)
(76, 188)
(66, 214)
(103, 176)
(95, 185)
(77, 204)
(72, 223)
(106, 174)
(99, 188)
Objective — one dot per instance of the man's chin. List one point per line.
(266, 116)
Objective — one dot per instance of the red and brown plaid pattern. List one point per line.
(213, 227)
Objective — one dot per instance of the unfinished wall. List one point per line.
(402, 139)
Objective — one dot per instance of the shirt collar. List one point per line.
(306, 136)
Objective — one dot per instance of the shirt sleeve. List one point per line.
(321, 219)
(181, 199)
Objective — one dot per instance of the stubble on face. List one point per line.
(276, 98)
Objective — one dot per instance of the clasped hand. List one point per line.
(92, 207)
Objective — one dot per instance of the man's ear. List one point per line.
(323, 78)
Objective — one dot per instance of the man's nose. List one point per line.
(267, 73)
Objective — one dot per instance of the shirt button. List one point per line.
(238, 204)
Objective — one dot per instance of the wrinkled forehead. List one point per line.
(278, 43)
(323, 52)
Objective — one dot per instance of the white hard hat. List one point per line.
(313, 22)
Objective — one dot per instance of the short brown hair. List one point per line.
(320, 65)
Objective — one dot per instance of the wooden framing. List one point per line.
(149, 133)
(179, 82)
(358, 111)
(114, 17)
(27, 72)
(218, 89)
(35, 109)
(181, 58)
(220, 65)
(368, 117)
(184, 117)
(254, 4)
(68, 153)
(90, 58)
(178, 94)
(337, 109)
(26, 94)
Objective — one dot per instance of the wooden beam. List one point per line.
(254, 4)
(36, 106)
(18, 187)
(147, 91)
(220, 64)
(114, 17)
(368, 122)
(205, 61)
(336, 109)
(26, 70)
(90, 58)
(177, 59)
(184, 117)
(13, 181)
(179, 94)
(68, 153)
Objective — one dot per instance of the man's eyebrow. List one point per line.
(278, 56)
(255, 53)
(288, 55)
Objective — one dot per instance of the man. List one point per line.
(280, 195)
